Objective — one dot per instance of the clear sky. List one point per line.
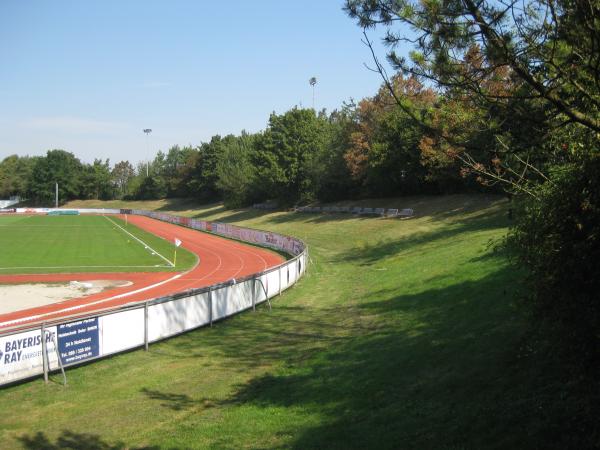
(88, 76)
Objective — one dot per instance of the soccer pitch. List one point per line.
(71, 244)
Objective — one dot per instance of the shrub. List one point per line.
(557, 237)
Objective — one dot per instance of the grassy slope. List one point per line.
(80, 244)
(402, 335)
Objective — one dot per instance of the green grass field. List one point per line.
(404, 334)
(68, 244)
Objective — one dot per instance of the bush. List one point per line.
(557, 237)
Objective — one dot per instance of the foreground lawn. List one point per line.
(403, 334)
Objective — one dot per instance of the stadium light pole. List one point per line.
(147, 132)
(56, 194)
(312, 82)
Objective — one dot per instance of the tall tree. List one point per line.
(96, 180)
(287, 155)
(15, 173)
(204, 177)
(336, 181)
(58, 166)
(235, 171)
(176, 169)
(383, 152)
(121, 176)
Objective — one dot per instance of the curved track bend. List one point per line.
(219, 260)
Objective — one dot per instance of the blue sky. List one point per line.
(87, 76)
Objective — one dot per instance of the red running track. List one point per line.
(219, 260)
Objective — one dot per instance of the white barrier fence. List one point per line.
(34, 351)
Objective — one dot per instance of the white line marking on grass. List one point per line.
(84, 267)
(140, 241)
(85, 305)
(53, 226)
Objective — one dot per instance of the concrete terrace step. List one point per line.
(356, 210)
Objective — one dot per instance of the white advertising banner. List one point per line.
(21, 354)
(122, 331)
(173, 317)
(231, 299)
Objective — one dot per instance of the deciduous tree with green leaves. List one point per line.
(121, 176)
(58, 166)
(286, 155)
(237, 176)
(96, 180)
(15, 172)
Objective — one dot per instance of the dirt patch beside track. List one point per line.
(15, 297)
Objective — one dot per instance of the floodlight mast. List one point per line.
(147, 131)
(312, 82)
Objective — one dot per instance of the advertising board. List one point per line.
(78, 341)
(21, 354)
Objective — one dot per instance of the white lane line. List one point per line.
(85, 305)
(139, 240)
(54, 227)
(86, 267)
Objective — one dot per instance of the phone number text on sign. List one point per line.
(78, 341)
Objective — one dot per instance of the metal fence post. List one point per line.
(210, 307)
(146, 326)
(279, 281)
(44, 353)
(265, 291)
(60, 363)
(253, 294)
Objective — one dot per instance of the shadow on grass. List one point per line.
(288, 333)
(234, 215)
(435, 370)
(438, 371)
(294, 217)
(436, 207)
(440, 207)
(372, 253)
(430, 378)
(176, 402)
(180, 204)
(74, 441)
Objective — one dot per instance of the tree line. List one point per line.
(365, 148)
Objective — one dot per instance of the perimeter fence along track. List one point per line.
(36, 350)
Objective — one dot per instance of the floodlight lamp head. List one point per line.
(147, 130)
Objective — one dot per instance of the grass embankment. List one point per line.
(69, 244)
(403, 334)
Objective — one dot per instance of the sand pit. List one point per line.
(16, 297)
